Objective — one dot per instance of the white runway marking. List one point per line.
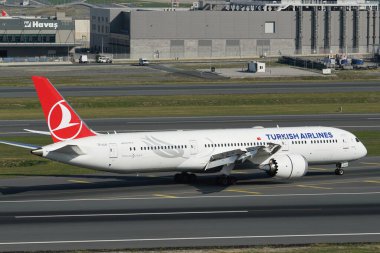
(191, 238)
(357, 126)
(125, 214)
(193, 197)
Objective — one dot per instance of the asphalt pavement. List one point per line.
(109, 211)
(202, 89)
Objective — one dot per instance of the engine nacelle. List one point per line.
(287, 166)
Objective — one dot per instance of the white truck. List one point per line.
(103, 59)
(143, 62)
(83, 58)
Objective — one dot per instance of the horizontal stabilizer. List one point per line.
(37, 132)
(73, 150)
(21, 145)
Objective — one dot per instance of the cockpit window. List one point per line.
(357, 140)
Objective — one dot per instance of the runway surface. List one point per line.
(203, 89)
(344, 121)
(108, 211)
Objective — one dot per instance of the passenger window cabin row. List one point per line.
(249, 144)
(315, 141)
(164, 147)
(217, 145)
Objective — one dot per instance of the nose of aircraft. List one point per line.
(363, 150)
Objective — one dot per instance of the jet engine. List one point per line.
(287, 166)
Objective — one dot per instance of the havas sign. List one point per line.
(38, 24)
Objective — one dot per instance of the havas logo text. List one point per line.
(37, 24)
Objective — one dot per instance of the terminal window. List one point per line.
(27, 38)
(269, 27)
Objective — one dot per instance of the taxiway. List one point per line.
(202, 89)
(108, 211)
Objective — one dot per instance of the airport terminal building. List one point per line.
(36, 36)
(218, 29)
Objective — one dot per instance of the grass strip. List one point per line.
(201, 105)
(311, 248)
(371, 140)
(128, 76)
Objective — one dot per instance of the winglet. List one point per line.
(63, 122)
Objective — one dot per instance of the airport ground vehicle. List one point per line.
(103, 59)
(143, 62)
(83, 59)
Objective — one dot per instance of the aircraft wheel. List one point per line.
(232, 180)
(225, 180)
(192, 178)
(177, 178)
(339, 172)
(185, 177)
(181, 178)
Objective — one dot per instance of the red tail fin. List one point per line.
(63, 122)
(4, 13)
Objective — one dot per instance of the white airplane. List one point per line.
(281, 152)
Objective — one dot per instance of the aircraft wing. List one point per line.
(21, 145)
(240, 156)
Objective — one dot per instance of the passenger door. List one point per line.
(285, 145)
(112, 148)
(112, 153)
(193, 147)
(345, 141)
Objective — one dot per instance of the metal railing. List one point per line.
(34, 59)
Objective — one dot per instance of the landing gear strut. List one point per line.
(226, 179)
(339, 171)
(185, 178)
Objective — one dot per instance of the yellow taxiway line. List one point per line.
(371, 163)
(243, 191)
(373, 181)
(314, 168)
(79, 181)
(165, 196)
(314, 187)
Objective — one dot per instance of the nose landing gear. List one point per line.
(339, 171)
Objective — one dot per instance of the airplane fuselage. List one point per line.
(191, 150)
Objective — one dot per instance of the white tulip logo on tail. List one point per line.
(63, 123)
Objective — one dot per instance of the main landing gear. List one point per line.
(185, 178)
(190, 178)
(225, 180)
